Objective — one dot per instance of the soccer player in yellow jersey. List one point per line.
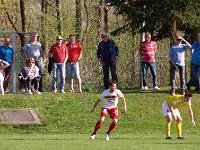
(170, 110)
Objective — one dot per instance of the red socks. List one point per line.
(112, 126)
(98, 125)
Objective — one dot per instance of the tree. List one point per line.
(78, 25)
(44, 9)
(59, 18)
(163, 18)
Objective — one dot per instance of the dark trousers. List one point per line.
(181, 70)
(106, 68)
(31, 82)
(7, 76)
(39, 64)
(194, 80)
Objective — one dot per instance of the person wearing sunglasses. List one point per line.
(177, 63)
(32, 73)
(107, 54)
(59, 53)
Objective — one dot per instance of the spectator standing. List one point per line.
(177, 63)
(7, 54)
(195, 66)
(107, 54)
(32, 48)
(59, 53)
(72, 65)
(148, 49)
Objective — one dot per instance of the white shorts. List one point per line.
(166, 111)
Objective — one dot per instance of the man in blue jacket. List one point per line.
(7, 54)
(107, 54)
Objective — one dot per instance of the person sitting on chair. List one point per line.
(32, 73)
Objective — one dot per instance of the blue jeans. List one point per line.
(106, 74)
(195, 74)
(61, 68)
(152, 66)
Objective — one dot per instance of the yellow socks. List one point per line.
(179, 129)
(168, 129)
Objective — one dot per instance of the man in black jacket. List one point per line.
(107, 54)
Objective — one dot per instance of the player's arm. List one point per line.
(95, 105)
(124, 103)
(191, 115)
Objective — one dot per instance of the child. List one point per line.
(3, 65)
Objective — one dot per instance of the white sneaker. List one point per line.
(55, 91)
(145, 87)
(62, 91)
(92, 136)
(38, 92)
(156, 88)
(107, 137)
(22, 90)
(29, 92)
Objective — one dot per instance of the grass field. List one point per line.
(67, 123)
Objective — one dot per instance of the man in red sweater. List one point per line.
(72, 65)
(60, 54)
(148, 49)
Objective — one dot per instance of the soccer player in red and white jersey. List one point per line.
(110, 98)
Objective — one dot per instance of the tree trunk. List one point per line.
(44, 41)
(23, 20)
(105, 19)
(173, 32)
(78, 25)
(59, 18)
(87, 21)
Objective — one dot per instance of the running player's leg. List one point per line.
(104, 112)
(113, 112)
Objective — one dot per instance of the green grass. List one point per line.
(68, 123)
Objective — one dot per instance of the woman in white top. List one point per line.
(32, 72)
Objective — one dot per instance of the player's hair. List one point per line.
(113, 82)
(188, 94)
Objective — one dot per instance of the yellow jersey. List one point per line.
(177, 100)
